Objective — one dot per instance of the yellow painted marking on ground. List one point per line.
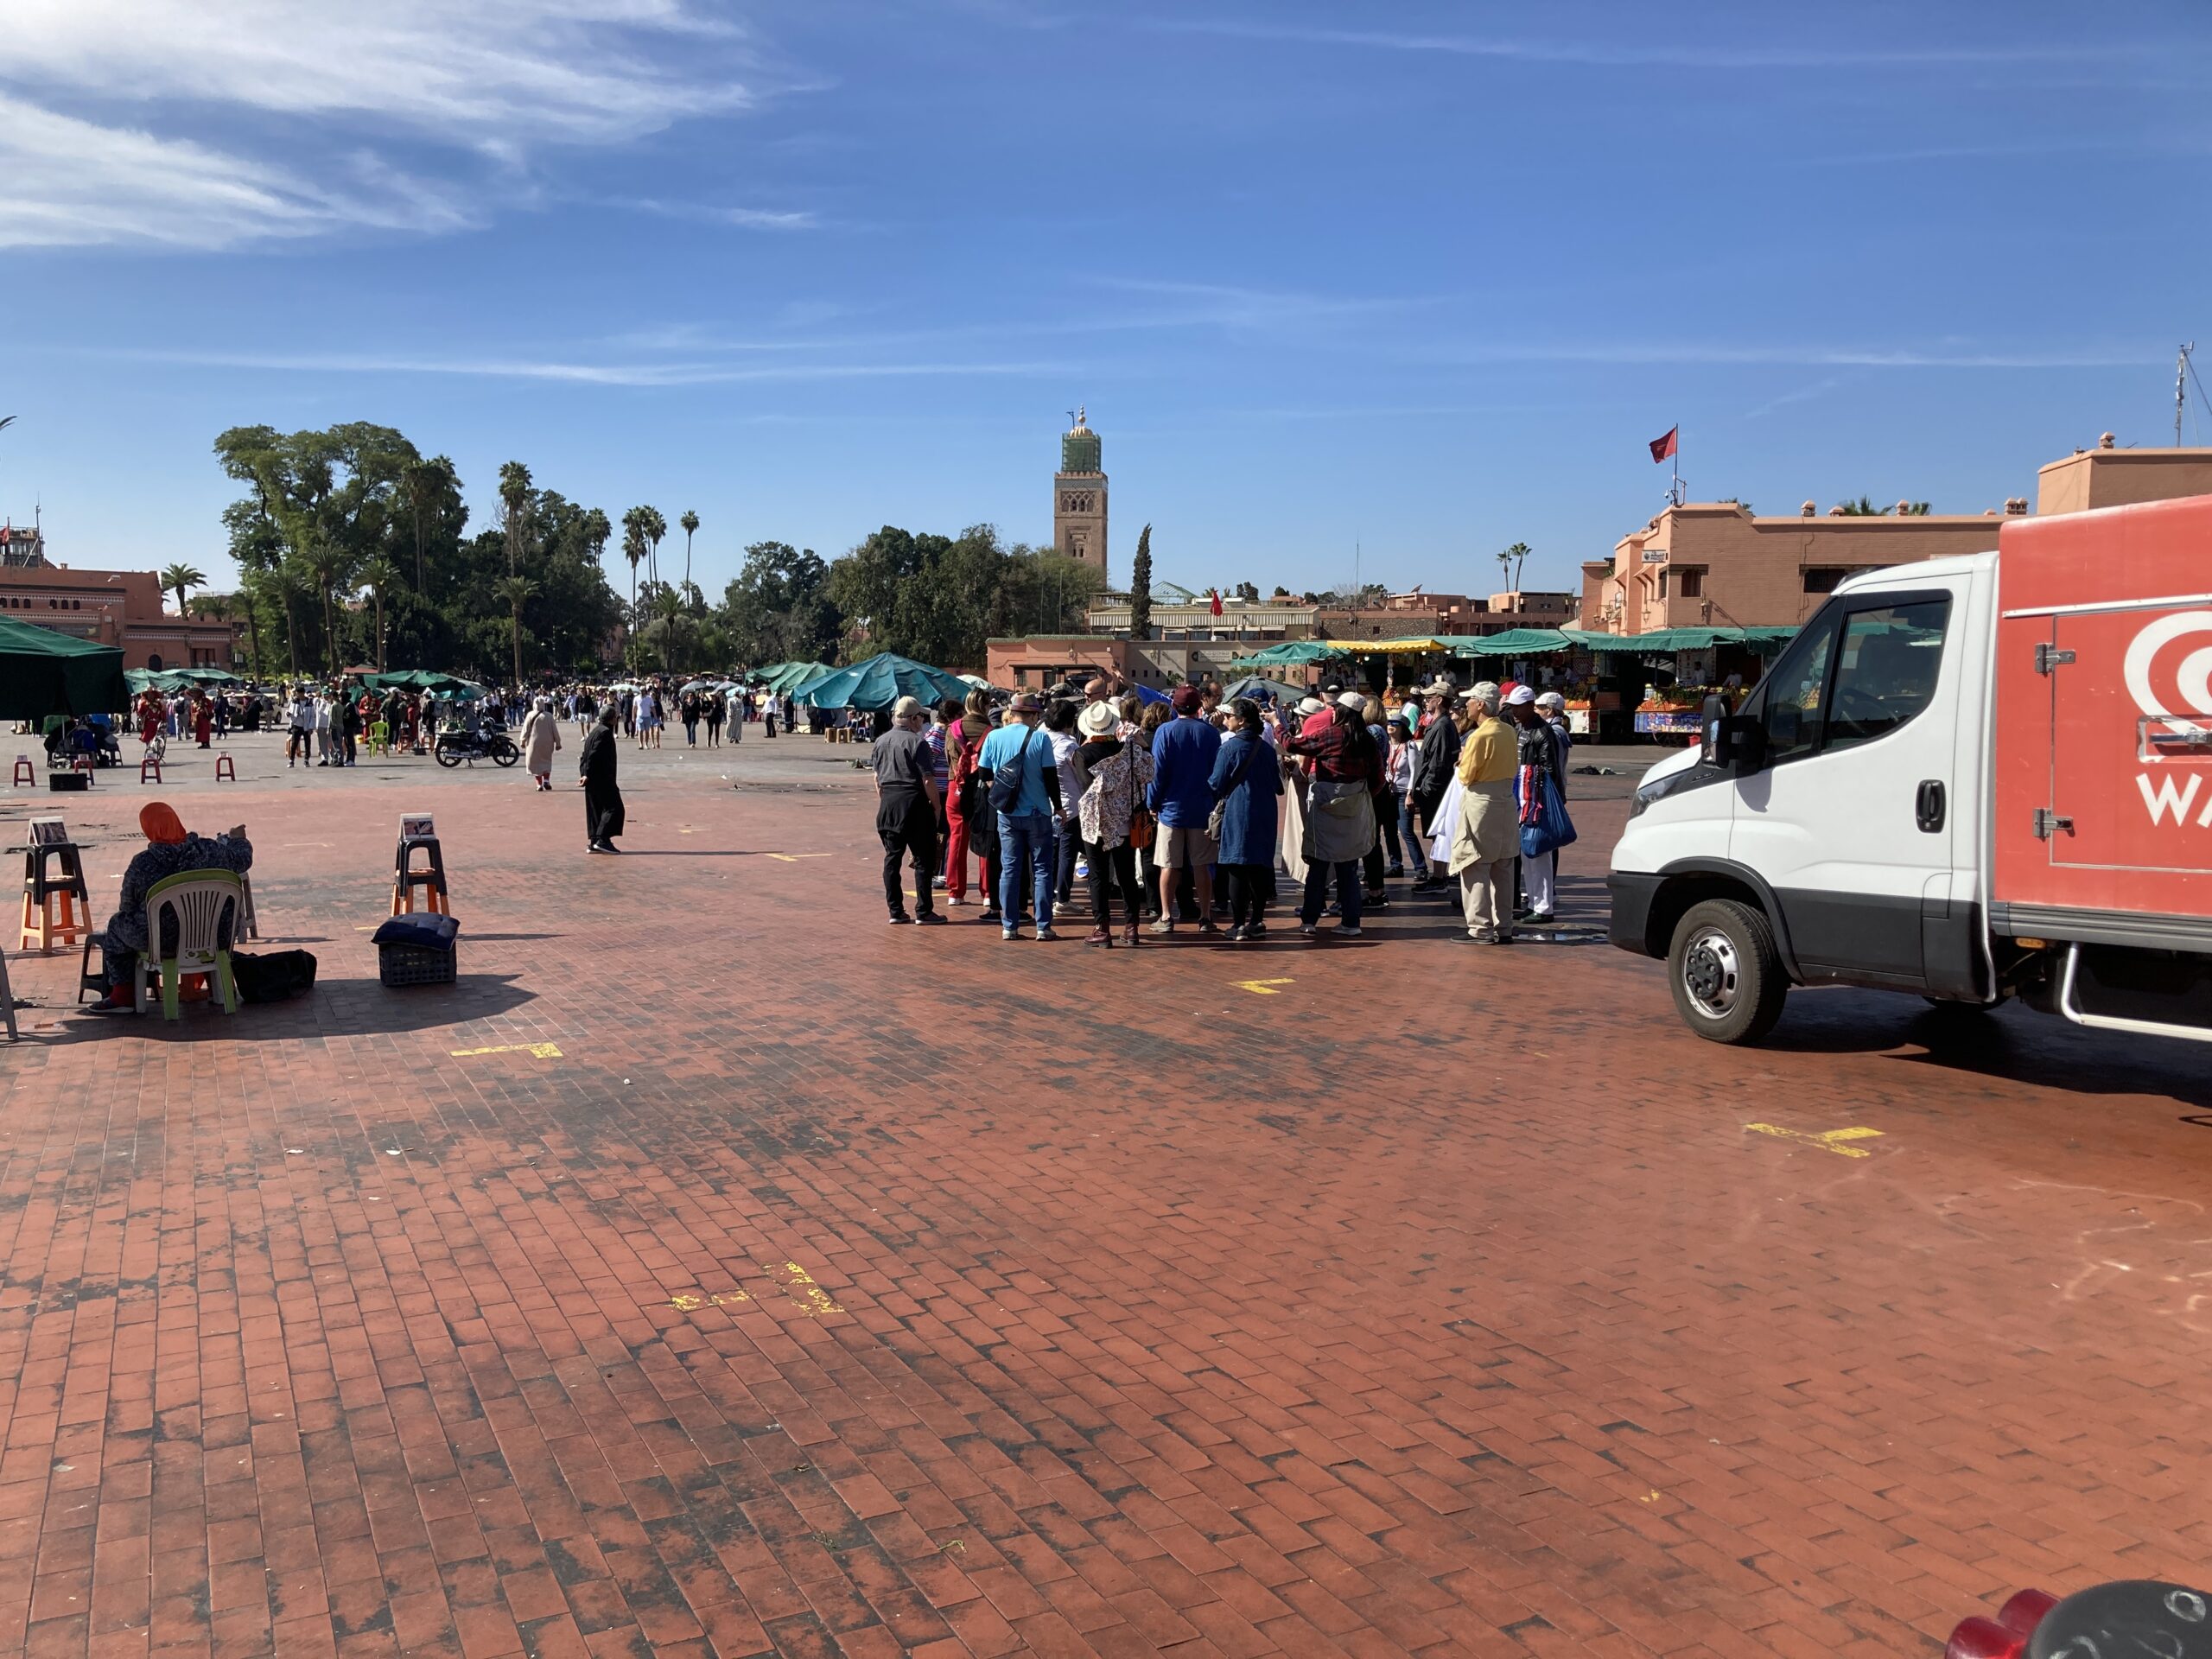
(1649, 1497)
(1261, 987)
(1834, 1140)
(793, 858)
(686, 1301)
(809, 1297)
(539, 1050)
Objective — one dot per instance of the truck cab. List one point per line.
(1832, 830)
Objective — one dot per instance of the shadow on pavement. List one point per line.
(337, 1007)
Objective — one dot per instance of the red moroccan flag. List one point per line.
(1662, 448)
(1215, 594)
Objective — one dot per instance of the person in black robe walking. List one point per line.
(603, 817)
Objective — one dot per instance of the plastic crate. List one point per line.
(415, 964)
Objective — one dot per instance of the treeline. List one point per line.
(353, 548)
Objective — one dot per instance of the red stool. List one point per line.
(225, 768)
(154, 761)
(81, 761)
(25, 773)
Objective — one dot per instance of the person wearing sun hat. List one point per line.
(171, 850)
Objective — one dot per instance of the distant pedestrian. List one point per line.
(541, 739)
(1183, 753)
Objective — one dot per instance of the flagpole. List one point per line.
(1675, 489)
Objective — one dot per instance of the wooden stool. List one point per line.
(57, 909)
(154, 761)
(25, 773)
(406, 878)
(225, 769)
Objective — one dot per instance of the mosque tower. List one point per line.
(1079, 498)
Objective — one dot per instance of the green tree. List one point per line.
(1515, 556)
(516, 592)
(326, 567)
(778, 608)
(633, 545)
(690, 523)
(1248, 592)
(181, 579)
(382, 575)
(1141, 588)
(654, 527)
(429, 486)
(514, 503)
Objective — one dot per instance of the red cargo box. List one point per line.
(2103, 739)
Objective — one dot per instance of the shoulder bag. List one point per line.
(1006, 782)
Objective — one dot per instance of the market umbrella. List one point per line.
(1254, 687)
(1146, 693)
(424, 679)
(882, 681)
(43, 672)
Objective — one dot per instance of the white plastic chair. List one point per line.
(198, 900)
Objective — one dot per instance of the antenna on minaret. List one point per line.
(2181, 386)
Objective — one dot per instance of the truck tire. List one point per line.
(1725, 974)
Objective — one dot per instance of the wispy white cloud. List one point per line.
(647, 374)
(750, 218)
(65, 182)
(1801, 395)
(108, 108)
(1610, 54)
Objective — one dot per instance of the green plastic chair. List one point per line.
(198, 900)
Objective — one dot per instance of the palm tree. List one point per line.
(181, 579)
(655, 527)
(633, 546)
(596, 532)
(514, 496)
(690, 523)
(1519, 554)
(1505, 567)
(382, 575)
(326, 564)
(515, 590)
(424, 482)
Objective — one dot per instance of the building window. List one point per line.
(1822, 578)
(1662, 584)
(1692, 585)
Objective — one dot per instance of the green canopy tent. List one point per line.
(1660, 642)
(431, 680)
(1292, 653)
(882, 681)
(44, 673)
(782, 677)
(1513, 642)
(177, 679)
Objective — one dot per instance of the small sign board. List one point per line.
(49, 832)
(1654, 555)
(416, 826)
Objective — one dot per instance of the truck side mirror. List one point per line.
(1737, 742)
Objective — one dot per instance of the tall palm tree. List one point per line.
(596, 532)
(514, 496)
(516, 590)
(326, 563)
(425, 481)
(382, 576)
(655, 527)
(690, 523)
(1518, 553)
(181, 579)
(285, 582)
(633, 546)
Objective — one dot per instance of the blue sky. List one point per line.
(1423, 278)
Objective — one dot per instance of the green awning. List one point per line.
(1292, 653)
(1660, 642)
(44, 673)
(437, 683)
(1513, 642)
(789, 677)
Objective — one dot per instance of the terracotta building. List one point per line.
(1708, 563)
(109, 608)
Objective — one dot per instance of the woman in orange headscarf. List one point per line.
(171, 849)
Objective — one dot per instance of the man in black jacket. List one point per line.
(1433, 767)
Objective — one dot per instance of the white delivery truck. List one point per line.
(1969, 778)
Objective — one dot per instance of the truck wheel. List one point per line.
(1726, 973)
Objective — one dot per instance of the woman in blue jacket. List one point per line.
(1247, 780)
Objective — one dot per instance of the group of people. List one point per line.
(1185, 811)
(644, 710)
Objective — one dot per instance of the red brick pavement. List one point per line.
(846, 1290)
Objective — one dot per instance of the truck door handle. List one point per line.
(1928, 805)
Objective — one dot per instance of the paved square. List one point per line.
(718, 1270)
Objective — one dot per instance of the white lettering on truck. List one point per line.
(2167, 797)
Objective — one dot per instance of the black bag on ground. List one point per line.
(277, 976)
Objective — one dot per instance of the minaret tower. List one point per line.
(1079, 498)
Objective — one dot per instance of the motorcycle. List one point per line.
(455, 745)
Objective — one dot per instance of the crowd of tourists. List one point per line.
(1185, 813)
